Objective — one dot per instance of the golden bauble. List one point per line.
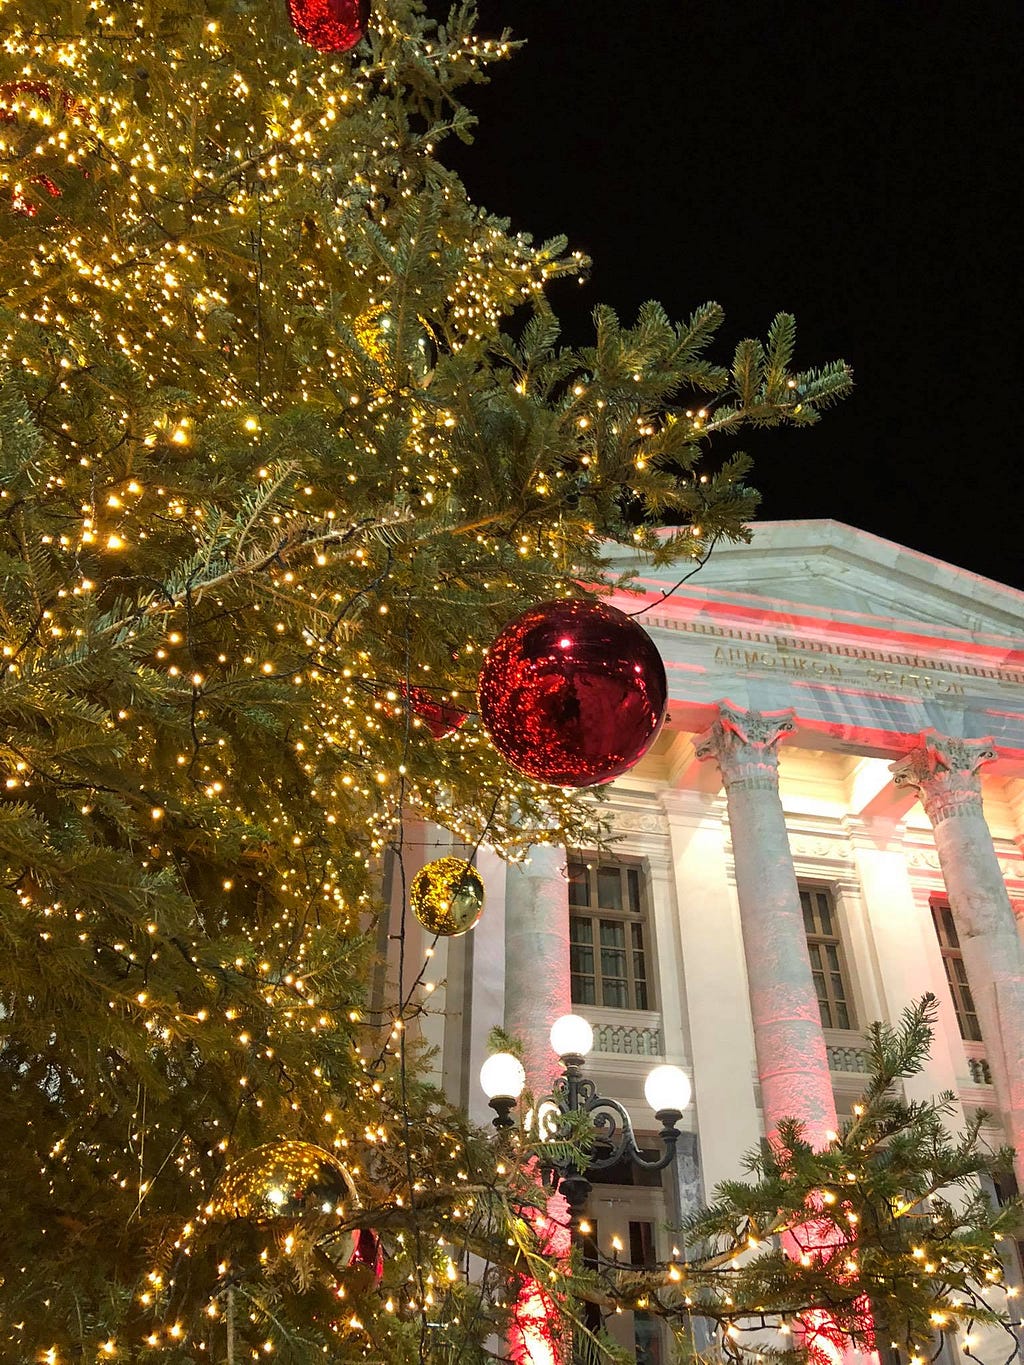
(284, 1180)
(447, 896)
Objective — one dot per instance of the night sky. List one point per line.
(855, 163)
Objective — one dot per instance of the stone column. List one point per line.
(790, 1047)
(945, 774)
(537, 958)
(721, 1038)
(537, 992)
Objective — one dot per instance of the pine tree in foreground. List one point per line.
(896, 1240)
(286, 437)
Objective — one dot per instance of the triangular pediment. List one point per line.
(829, 570)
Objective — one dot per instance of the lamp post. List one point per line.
(667, 1090)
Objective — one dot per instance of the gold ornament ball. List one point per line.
(447, 896)
(283, 1180)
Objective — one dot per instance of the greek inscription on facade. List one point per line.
(778, 657)
(775, 661)
(920, 682)
(735, 657)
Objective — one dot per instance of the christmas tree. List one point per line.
(286, 437)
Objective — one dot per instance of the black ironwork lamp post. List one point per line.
(667, 1089)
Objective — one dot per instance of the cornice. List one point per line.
(910, 592)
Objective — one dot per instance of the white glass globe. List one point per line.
(667, 1087)
(572, 1036)
(502, 1077)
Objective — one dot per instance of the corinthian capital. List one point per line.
(744, 744)
(944, 773)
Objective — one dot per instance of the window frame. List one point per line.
(951, 953)
(824, 941)
(595, 913)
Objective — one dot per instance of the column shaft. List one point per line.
(791, 1060)
(945, 773)
(537, 992)
(537, 958)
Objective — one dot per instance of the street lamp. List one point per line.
(667, 1090)
(502, 1079)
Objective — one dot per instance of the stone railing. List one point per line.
(981, 1073)
(843, 1058)
(628, 1040)
(849, 1058)
(977, 1063)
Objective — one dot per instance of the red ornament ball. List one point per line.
(440, 717)
(11, 93)
(573, 693)
(366, 1264)
(15, 99)
(330, 25)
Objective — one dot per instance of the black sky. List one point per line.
(856, 163)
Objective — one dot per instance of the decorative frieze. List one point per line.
(807, 846)
(638, 822)
(1011, 869)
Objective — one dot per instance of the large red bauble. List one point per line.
(330, 25)
(572, 693)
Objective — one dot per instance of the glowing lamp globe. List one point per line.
(572, 1036)
(573, 693)
(667, 1089)
(447, 896)
(502, 1077)
(330, 25)
(283, 1180)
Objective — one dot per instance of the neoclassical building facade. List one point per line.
(830, 824)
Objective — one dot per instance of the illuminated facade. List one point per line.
(830, 825)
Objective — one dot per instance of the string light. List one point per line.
(245, 427)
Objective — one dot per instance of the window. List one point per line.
(607, 957)
(642, 1252)
(956, 973)
(646, 1334)
(825, 949)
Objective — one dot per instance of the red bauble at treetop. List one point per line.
(330, 25)
(573, 693)
(440, 717)
(13, 94)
